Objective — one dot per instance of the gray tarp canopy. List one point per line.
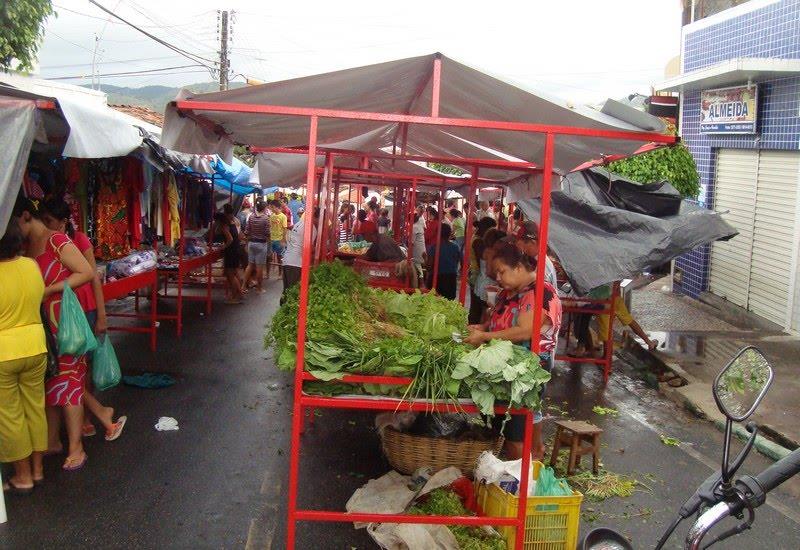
(604, 231)
(403, 87)
(18, 123)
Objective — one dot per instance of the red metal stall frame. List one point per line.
(301, 400)
(122, 288)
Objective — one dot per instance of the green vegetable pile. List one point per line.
(354, 329)
(444, 502)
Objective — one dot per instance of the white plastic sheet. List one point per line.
(17, 129)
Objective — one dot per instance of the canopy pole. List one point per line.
(412, 206)
(325, 188)
(396, 213)
(333, 234)
(544, 218)
(467, 252)
(297, 417)
(436, 84)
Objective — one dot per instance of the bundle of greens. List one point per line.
(354, 329)
(445, 502)
(501, 371)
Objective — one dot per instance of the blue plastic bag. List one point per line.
(75, 336)
(105, 367)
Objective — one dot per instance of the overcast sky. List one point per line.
(582, 50)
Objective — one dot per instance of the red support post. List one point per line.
(608, 349)
(181, 248)
(462, 295)
(294, 459)
(544, 219)
(436, 85)
(410, 228)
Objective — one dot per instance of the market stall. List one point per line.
(437, 108)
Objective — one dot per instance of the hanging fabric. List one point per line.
(174, 212)
(111, 207)
(133, 181)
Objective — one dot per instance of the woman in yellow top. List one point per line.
(23, 361)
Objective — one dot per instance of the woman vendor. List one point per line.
(512, 319)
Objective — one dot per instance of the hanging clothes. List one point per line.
(133, 181)
(174, 212)
(111, 208)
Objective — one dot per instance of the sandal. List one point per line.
(72, 464)
(10, 488)
(89, 430)
(116, 429)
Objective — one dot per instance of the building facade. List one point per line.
(740, 118)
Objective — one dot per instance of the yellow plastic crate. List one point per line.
(552, 522)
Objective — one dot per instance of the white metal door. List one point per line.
(735, 198)
(771, 277)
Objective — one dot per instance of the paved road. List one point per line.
(220, 482)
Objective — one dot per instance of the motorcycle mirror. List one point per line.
(742, 384)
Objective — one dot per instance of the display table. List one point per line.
(178, 273)
(122, 288)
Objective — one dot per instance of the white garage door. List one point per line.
(755, 269)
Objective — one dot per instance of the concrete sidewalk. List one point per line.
(696, 342)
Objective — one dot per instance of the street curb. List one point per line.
(696, 397)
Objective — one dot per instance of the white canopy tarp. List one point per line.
(95, 129)
(18, 123)
(405, 87)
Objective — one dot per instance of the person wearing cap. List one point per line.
(527, 242)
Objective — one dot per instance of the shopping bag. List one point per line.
(105, 367)
(75, 336)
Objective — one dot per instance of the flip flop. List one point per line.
(116, 429)
(89, 430)
(71, 466)
(10, 488)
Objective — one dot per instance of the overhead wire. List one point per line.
(127, 73)
(196, 58)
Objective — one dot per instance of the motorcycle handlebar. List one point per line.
(779, 472)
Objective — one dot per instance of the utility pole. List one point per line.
(224, 63)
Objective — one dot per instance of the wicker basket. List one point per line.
(406, 452)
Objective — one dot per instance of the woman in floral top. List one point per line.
(512, 319)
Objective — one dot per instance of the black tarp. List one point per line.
(605, 229)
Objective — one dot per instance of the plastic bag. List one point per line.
(105, 367)
(75, 336)
(548, 485)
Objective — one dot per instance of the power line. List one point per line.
(123, 61)
(123, 75)
(196, 16)
(196, 58)
(129, 73)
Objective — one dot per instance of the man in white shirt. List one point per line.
(293, 255)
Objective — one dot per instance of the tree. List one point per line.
(674, 164)
(21, 31)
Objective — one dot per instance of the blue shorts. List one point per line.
(277, 248)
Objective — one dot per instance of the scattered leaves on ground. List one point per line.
(604, 411)
(669, 441)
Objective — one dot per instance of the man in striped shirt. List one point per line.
(258, 246)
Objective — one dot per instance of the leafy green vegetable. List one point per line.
(674, 164)
(444, 502)
(670, 441)
(603, 411)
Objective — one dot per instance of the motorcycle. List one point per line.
(738, 390)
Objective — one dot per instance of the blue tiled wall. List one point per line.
(772, 31)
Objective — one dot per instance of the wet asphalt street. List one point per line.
(220, 481)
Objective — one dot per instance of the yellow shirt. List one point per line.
(277, 226)
(21, 330)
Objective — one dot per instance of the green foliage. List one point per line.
(243, 154)
(444, 502)
(21, 31)
(674, 164)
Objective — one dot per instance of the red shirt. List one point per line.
(368, 230)
(508, 307)
(431, 232)
(288, 214)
